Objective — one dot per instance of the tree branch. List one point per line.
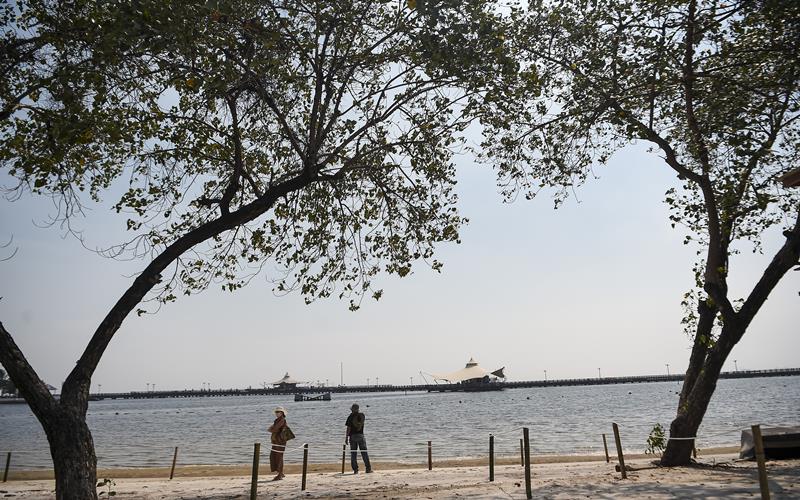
(32, 388)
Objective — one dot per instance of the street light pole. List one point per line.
(545, 375)
(598, 373)
(667, 369)
(735, 366)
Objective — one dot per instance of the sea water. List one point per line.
(562, 420)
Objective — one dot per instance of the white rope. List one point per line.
(504, 433)
(285, 450)
(706, 436)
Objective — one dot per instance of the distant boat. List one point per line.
(471, 378)
(321, 397)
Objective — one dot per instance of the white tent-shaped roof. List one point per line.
(286, 380)
(469, 372)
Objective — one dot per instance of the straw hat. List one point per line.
(281, 409)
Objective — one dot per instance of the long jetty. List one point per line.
(319, 389)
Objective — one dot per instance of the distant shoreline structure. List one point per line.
(638, 379)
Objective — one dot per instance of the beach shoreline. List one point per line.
(190, 470)
(712, 476)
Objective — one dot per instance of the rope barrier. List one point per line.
(706, 436)
(285, 450)
(505, 433)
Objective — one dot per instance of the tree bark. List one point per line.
(695, 398)
(74, 459)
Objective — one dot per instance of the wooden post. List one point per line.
(762, 467)
(527, 442)
(344, 448)
(521, 453)
(491, 457)
(605, 447)
(619, 451)
(305, 467)
(174, 459)
(430, 457)
(8, 462)
(254, 481)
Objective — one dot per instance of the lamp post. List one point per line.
(545, 375)
(367, 381)
(598, 373)
(735, 366)
(411, 380)
(667, 369)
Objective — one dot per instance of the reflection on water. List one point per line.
(562, 420)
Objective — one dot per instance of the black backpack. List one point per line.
(357, 423)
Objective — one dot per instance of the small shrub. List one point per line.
(108, 483)
(656, 441)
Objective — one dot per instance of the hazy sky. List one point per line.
(595, 284)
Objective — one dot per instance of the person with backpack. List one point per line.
(355, 436)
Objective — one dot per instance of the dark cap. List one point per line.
(354, 407)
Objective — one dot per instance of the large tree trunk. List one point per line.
(64, 422)
(74, 460)
(691, 411)
(698, 388)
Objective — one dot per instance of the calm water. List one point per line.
(562, 420)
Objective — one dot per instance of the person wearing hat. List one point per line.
(355, 435)
(278, 440)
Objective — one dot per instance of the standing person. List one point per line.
(355, 435)
(278, 440)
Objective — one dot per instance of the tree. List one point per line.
(713, 88)
(315, 136)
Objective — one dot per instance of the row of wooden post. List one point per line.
(254, 479)
(524, 455)
(763, 482)
(525, 459)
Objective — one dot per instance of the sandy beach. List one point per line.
(718, 475)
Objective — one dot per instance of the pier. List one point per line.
(640, 379)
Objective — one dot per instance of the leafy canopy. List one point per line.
(319, 135)
(712, 87)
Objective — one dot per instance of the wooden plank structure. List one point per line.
(189, 393)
